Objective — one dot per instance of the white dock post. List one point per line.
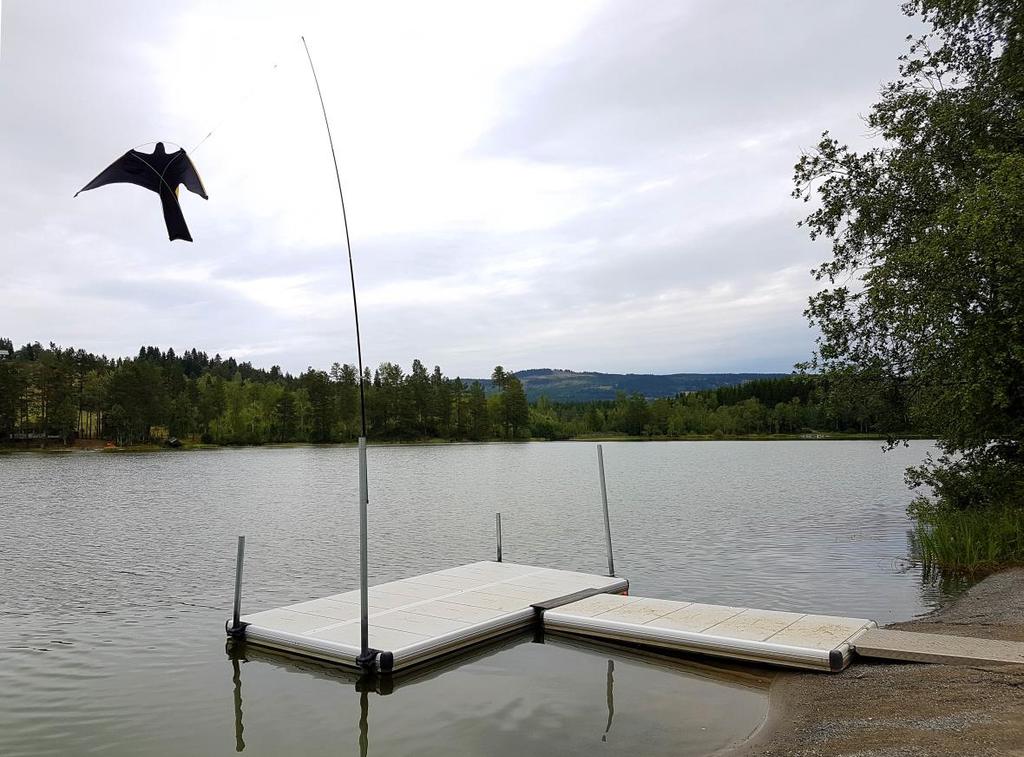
(364, 623)
(604, 500)
(236, 613)
(497, 530)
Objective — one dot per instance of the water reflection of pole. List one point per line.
(370, 683)
(364, 722)
(611, 698)
(236, 679)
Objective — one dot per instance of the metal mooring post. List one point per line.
(604, 501)
(497, 531)
(236, 613)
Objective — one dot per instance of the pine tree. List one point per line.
(517, 409)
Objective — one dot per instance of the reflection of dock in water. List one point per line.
(368, 685)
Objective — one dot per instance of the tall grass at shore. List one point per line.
(967, 541)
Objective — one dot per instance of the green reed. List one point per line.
(967, 541)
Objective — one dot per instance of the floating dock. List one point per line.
(417, 619)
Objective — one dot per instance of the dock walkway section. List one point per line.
(939, 648)
(791, 639)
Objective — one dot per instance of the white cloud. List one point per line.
(575, 184)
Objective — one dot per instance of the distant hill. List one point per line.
(584, 386)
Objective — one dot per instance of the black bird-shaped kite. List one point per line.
(160, 172)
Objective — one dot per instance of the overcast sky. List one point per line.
(587, 185)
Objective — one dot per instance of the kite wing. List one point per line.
(125, 170)
(184, 170)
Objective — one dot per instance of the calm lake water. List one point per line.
(116, 576)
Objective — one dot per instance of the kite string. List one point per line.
(238, 103)
(227, 115)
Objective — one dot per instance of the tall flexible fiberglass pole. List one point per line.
(366, 656)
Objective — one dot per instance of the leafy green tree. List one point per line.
(346, 383)
(93, 402)
(303, 410)
(56, 392)
(441, 403)
(117, 424)
(635, 414)
(63, 417)
(136, 389)
(286, 421)
(212, 402)
(321, 402)
(13, 386)
(420, 395)
(545, 423)
(658, 415)
(182, 420)
(925, 287)
(395, 418)
(458, 408)
(478, 420)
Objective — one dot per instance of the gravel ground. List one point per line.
(912, 709)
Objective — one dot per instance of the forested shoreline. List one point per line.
(923, 286)
(57, 395)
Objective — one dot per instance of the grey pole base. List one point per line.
(367, 656)
(237, 628)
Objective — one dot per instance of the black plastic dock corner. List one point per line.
(376, 661)
(836, 661)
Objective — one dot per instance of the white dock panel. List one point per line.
(421, 617)
(819, 642)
